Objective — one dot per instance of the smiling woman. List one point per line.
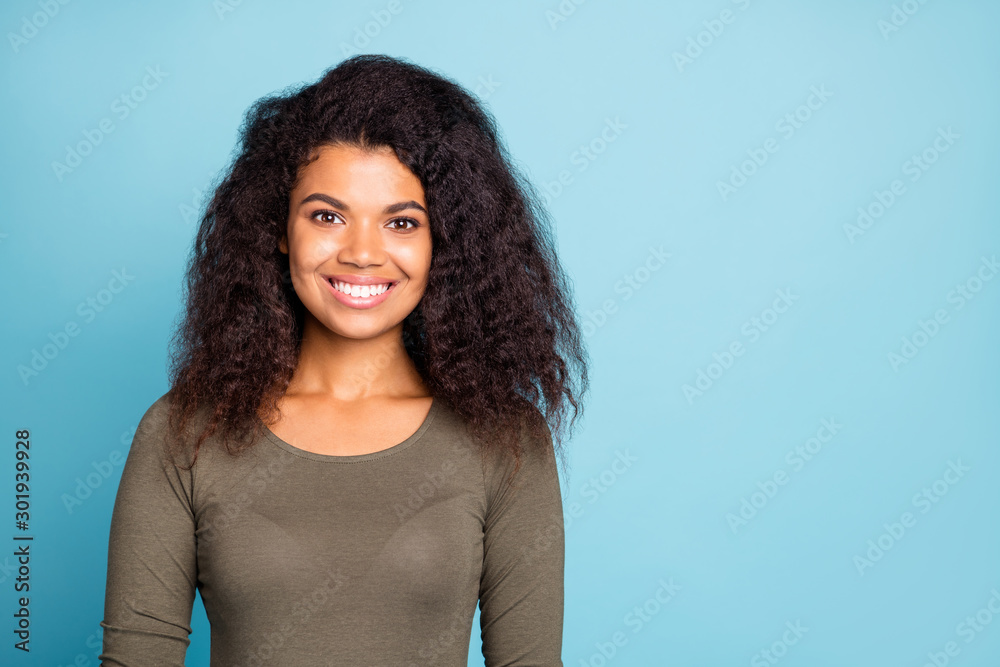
(344, 261)
(348, 461)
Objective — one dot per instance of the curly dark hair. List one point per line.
(495, 333)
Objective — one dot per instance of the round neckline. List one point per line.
(357, 458)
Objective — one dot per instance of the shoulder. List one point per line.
(535, 463)
(156, 415)
(154, 477)
(155, 435)
(535, 440)
(153, 422)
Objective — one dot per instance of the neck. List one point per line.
(351, 369)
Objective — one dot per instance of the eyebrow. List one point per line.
(333, 201)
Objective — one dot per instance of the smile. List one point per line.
(359, 296)
(359, 290)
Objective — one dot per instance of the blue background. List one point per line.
(556, 76)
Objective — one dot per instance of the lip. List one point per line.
(359, 301)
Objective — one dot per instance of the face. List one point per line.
(358, 241)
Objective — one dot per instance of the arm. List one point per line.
(152, 569)
(521, 588)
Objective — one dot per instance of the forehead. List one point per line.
(342, 165)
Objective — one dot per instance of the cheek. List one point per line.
(308, 252)
(415, 261)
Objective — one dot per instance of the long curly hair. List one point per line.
(495, 333)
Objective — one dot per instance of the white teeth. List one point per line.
(360, 290)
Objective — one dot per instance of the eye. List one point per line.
(325, 216)
(404, 220)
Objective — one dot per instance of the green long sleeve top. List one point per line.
(308, 559)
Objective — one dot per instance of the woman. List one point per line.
(353, 450)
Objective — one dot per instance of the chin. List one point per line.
(357, 331)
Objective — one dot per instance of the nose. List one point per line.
(362, 243)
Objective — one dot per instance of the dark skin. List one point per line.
(355, 389)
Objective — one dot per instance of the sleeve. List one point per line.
(152, 567)
(521, 587)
